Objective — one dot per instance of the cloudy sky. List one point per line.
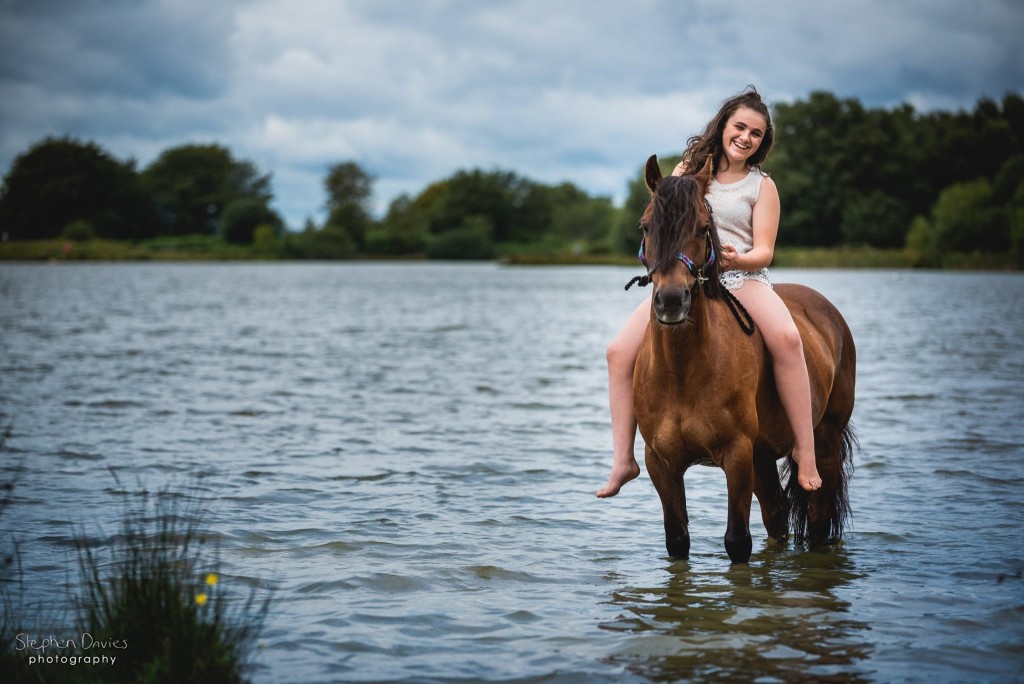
(413, 90)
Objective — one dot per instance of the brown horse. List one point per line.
(704, 391)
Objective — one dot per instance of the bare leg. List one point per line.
(622, 353)
(794, 387)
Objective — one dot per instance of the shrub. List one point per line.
(264, 238)
(79, 231)
(330, 243)
(922, 243)
(382, 241)
(966, 221)
(243, 216)
(472, 240)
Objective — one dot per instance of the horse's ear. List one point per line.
(652, 173)
(703, 176)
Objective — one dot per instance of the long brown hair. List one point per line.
(709, 143)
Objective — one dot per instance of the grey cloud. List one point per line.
(129, 49)
(414, 90)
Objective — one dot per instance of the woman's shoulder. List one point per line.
(759, 176)
(765, 186)
(763, 179)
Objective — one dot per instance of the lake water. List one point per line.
(408, 453)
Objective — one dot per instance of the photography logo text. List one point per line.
(83, 650)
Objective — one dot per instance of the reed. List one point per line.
(152, 601)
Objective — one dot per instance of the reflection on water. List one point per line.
(780, 617)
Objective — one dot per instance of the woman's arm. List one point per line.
(765, 221)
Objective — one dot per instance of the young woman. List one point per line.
(745, 203)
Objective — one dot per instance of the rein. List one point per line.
(739, 312)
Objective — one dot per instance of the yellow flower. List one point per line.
(201, 599)
(211, 579)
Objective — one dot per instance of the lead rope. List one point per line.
(642, 281)
(734, 303)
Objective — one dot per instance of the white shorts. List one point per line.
(734, 280)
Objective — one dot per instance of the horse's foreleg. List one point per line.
(668, 480)
(770, 495)
(739, 474)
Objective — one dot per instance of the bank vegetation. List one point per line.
(860, 186)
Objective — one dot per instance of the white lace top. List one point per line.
(733, 207)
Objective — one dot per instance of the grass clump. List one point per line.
(152, 607)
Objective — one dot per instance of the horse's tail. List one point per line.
(799, 499)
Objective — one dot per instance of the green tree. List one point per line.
(922, 243)
(625, 232)
(471, 240)
(578, 218)
(966, 221)
(811, 168)
(403, 231)
(264, 238)
(330, 243)
(192, 185)
(58, 181)
(1006, 182)
(531, 218)
(875, 219)
(473, 193)
(244, 215)
(78, 231)
(1013, 112)
(349, 191)
(516, 210)
(1015, 220)
(1008, 196)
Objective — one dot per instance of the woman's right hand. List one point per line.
(727, 258)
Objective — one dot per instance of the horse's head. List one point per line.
(680, 243)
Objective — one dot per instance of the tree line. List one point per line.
(847, 175)
(932, 182)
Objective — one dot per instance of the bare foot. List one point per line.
(621, 474)
(807, 472)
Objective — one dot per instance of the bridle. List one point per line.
(695, 271)
(740, 313)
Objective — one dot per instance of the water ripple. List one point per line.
(418, 487)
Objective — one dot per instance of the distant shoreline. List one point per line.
(785, 257)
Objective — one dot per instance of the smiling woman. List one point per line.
(745, 205)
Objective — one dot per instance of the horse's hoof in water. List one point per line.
(739, 549)
(678, 547)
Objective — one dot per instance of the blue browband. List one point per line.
(697, 273)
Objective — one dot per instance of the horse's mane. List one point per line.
(674, 218)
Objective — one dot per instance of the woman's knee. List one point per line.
(621, 354)
(786, 342)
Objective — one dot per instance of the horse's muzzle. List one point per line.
(672, 305)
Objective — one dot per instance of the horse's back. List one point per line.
(828, 342)
(809, 304)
